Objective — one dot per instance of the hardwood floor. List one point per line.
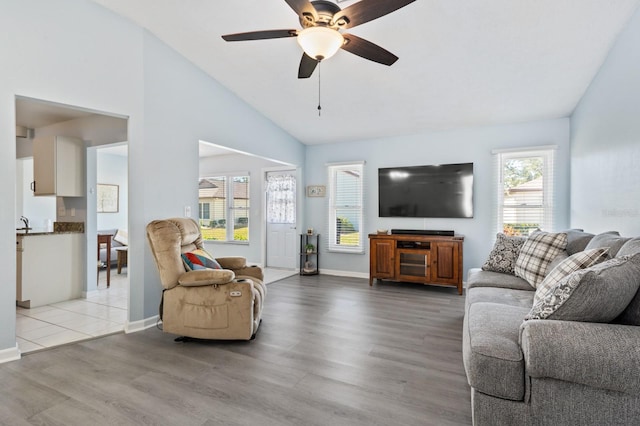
(331, 351)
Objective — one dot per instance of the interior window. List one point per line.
(224, 207)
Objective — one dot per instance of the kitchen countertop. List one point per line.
(45, 232)
(58, 228)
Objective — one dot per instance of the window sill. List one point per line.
(237, 243)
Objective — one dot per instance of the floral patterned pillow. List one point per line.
(504, 254)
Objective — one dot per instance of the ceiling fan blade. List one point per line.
(367, 10)
(260, 35)
(307, 66)
(303, 8)
(366, 49)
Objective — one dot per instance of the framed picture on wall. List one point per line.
(316, 191)
(107, 196)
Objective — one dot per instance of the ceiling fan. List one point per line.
(320, 37)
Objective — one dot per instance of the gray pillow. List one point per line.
(577, 241)
(630, 247)
(599, 293)
(504, 254)
(611, 239)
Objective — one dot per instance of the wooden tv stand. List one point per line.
(426, 259)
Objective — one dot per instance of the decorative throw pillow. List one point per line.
(611, 239)
(536, 254)
(199, 259)
(504, 254)
(568, 266)
(596, 294)
(122, 237)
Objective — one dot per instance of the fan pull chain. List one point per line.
(319, 107)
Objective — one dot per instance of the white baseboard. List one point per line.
(88, 294)
(10, 354)
(344, 273)
(135, 326)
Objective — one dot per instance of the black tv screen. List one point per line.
(431, 191)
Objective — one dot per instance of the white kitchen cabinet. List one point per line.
(49, 268)
(58, 166)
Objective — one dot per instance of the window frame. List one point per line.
(230, 206)
(547, 153)
(334, 207)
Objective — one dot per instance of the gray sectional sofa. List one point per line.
(580, 364)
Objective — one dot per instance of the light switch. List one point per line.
(187, 211)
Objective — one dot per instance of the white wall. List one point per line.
(112, 170)
(460, 146)
(77, 53)
(605, 143)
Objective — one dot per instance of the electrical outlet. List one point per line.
(73, 211)
(187, 211)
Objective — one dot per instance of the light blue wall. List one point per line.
(112, 170)
(77, 53)
(605, 143)
(460, 146)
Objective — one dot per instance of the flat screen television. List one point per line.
(430, 191)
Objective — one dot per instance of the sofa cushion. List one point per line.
(503, 296)
(611, 239)
(577, 240)
(630, 247)
(556, 261)
(480, 278)
(580, 260)
(596, 294)
(504, 254)
(492, 357)
(199, 259)
(631, 314)
(536, 254)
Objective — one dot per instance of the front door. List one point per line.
(281, 219)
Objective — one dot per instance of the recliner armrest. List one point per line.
(605, 356)
(232, 262)
(203, 277)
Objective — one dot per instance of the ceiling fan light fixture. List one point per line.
(320, 42)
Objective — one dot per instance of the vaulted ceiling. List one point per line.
(462, 63)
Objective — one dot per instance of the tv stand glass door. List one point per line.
(412, 265)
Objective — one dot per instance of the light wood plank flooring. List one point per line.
(331, 351)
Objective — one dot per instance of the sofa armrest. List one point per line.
(202, 277)
(605, 356)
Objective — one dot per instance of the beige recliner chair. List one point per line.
(206, 303)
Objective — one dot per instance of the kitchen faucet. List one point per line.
(25, 221)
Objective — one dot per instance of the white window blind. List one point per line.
(346, 190)
(525, 190)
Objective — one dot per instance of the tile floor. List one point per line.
(79, 319)
(52, 325)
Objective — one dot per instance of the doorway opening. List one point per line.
(82, 313)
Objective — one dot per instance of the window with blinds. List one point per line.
(525, 190)
(345, 208)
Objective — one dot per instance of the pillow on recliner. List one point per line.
(199, 259)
